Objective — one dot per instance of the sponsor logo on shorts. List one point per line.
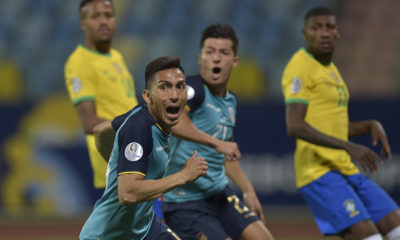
(351, 208)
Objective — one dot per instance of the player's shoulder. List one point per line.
(194, 80)
(299, 66)
(78, 57)
(139, 121)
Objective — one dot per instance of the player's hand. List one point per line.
(195, 167)
(365, 156)
(230, 149)
(251, 201)
(378, 134)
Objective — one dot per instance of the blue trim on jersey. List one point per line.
(215, 116)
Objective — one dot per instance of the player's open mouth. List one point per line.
(216, 73)
(173, 110)
(216, 70)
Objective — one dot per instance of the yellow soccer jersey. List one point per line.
(105, 79)
(305, 80)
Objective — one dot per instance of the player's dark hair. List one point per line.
(84, 2)
(220, 30)
(159, 64)
(318, 11)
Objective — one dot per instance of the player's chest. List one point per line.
(329, 88)
(111, 73)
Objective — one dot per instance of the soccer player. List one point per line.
(98, 81)
(207, 207)
(139, 158)
(343, 201)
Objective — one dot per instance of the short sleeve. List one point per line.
(296, 86)
(135, 143)
(196, 93)
(80, 81)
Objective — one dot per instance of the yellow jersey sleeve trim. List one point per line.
(81, 99)
(296, 100)
(162, 130)
(121, 173)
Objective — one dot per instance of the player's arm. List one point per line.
(297, 127)
(86, 111)
(185, 129)
(133, 188)
(235, 172)
(377, 132)
(104, 135)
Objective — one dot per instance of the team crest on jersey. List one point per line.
(133, 151)
(231, 114)
(119, 69)
(76, 84)
(335, 77)
(296, 85)
(190, 92)
(350, 207)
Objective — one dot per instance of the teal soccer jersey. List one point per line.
(141, 147)
(215, 116)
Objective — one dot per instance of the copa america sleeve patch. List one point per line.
(190, 92)
(133, 151)
(296, 85)
(76, 84)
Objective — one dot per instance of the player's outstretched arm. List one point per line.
(235, 172)
(377, 132)
(104, 135)
(187, 130)
(133, 188)
(298, 128)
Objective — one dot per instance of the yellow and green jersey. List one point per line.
(307, 81)
(104, 79)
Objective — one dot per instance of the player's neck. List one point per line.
(102, 47)
(323, 58)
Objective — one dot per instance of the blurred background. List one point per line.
(44, 165)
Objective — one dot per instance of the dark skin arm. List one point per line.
(86, 111)
(298, 128)
(104, 136)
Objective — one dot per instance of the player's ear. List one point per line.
(235, 61)
(146, 96)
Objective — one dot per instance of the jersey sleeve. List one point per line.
(80, 81)
(117, 121)
(135, 143)
(296, 85)
(196, 93)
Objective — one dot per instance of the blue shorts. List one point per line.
(160, 231)
(218, 217)
(338, 201)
